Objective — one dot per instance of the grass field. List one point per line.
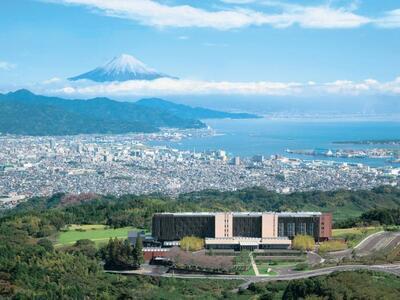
(99, 234)
(250, 271)
(355, 235)
(339, 213)
(263, 269)
(263, 266)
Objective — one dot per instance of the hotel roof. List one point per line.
(244, 214)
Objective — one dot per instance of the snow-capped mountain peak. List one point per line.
(127, 63)
(121, 68)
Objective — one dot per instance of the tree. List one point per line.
(242, 262)
(303, 243)
(85, 247)
(191, 243)
(46, 244)
(138, 252)
(119, 255)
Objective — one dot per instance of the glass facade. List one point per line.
(291, 229)
(281, 229)
(172, 227)
(310, 229)
(247, 226)
(302, 228)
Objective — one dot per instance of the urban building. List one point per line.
(242, 230)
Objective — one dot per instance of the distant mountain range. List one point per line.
(122, 68)
(192, 112)
(25, 113)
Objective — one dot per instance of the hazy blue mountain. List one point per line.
(23, 112)
(191, 112)
(122, 68)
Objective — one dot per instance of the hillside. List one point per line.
(192, 112)
(25, 113)
(129, 210)
(29, 262)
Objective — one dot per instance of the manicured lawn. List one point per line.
(97, 233)
(263, 266)
(355, 235)
(86, 227)
(279, 263)
(250, 271)
(263, 269)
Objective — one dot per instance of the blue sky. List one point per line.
(352, 46)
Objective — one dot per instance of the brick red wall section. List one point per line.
(325, 226)
(150, 254)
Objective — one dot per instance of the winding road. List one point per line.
(380, 241)
(386, 268)
(373, 243)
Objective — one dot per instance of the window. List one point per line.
(291, 229)
(310, 229)
(281, 229)
(302, 228)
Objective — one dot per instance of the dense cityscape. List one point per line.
(121, 164)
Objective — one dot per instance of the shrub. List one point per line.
(191, 243)
(332, 245)
(303, 242)
(301, 267)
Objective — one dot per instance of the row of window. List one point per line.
(303, 228)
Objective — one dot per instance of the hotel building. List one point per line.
(242, 230)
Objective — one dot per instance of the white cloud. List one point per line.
(6, 66)
(168, 86)
(368, 86)
(153, 13)
(183, 37)
(390, 20)
(52, 80)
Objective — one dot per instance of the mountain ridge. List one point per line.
(25, 113)
(193, 112)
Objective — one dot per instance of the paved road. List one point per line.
(375, 242)
(387, 268)
(384, 240)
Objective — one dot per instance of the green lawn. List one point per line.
(250, 271)
(355, 235)
(263, 266)
(97, 233)
(263, 269)
(339, 213)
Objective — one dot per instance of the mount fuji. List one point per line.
(121, 68)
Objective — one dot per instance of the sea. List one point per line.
(273, 136)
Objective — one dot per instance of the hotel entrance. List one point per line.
(247, 245)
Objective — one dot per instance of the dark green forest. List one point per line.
(30, 268)
(28, 114)
(348, 207)
(344, 285)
